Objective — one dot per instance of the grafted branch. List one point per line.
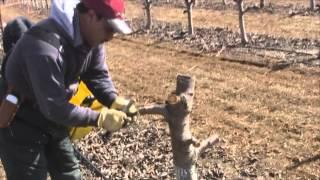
(159, 109)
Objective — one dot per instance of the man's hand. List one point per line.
(125, 105)
(111, 119)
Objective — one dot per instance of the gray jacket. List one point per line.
(49, 76)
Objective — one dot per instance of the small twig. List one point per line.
(220, 51)
(207, 143)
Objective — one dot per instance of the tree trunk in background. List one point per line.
(147, 7)
(189, 4)
(312, 5)
(243, 34)
(224, 2)
(186, 149)
(47, 5)
(262, 3)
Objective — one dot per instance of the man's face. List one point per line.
(95, 30)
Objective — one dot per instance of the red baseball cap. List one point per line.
(113, 10)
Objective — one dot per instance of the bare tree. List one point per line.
(147, 8)
(312, 5)
(190, 4)
(186, 148)
(244, 38)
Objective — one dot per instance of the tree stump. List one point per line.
(176, 111)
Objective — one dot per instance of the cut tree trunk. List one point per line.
(186, 148)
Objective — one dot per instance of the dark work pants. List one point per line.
(27, 153)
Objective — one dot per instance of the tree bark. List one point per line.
(312, 5)
(186, 148)
(190, 4)
(147, 7)
(243, 34)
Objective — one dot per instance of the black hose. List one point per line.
(88, 162)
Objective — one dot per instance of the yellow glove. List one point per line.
(125, 105)
(111, 119)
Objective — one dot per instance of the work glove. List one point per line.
(111, 119)
(125, 105)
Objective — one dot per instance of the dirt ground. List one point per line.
(268, 121)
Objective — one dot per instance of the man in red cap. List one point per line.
(44, 71)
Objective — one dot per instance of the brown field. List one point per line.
(270, 117)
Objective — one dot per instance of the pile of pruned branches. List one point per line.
(268, 7)
(213, 39)
(140, 152)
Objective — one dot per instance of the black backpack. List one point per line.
(12, 32)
